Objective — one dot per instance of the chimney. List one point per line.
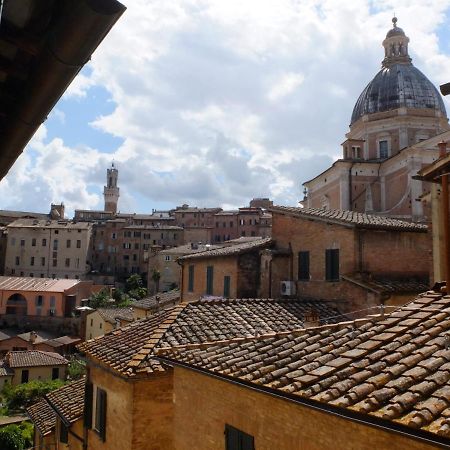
(33, 337)
(311, 319)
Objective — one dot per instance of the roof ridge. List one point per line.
(148, 347)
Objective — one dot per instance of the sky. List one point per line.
(213, 102)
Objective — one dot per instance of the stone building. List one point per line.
(48, 248)
(111, 190)
(358, 259)
(377, 383)
(395, 126)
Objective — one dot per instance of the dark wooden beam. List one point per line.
(23, 41)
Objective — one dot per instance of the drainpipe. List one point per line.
(445, 213)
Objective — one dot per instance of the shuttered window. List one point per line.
(63, 434)
(88, 390)
(100, 413)
(303, 266)
(226, 286)
(209, 280)
(332, 264)
(191, 279)
(238, 440)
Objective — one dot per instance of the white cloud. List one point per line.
(218, 101)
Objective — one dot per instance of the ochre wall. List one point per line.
(204, 405)
(38, 373)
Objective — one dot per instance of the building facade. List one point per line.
(391, 137)
(48, 248)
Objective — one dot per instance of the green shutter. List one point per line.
(226, 286)
(88, 389)
(209, 280)
(303, 266)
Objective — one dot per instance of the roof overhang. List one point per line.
(433, 172)
(43, 46)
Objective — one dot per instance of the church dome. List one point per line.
(398, 84)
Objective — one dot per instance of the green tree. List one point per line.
(134, 287)
(23, 395)
(76, 369)
(156, 276)
(11, 438)
(99, 299)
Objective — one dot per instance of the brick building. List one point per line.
(120, 248)
(360, 259)
(232, 271)
(377, 383)
(48, 248)
(395, 126)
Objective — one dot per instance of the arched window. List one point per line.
(16, 304)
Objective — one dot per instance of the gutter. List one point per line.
(347, 414)
(81, 26)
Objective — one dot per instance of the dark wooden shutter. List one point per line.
(328, 265)
(226, 286)
(303, 266)
(335, 264)
(63, 434)
(88, 389)
(102, 406)
(209, 280)
(238, 440)
(332, 264)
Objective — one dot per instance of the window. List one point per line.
(79, 242)
(33, 242)
(52, 301)
(56, 231)
(136, 246)
(13, 241)
(383, 149)
(55, 244)
(238, 440)
(32, 261)
(127, 245)
(17, 260)
(22, 242)
(134, 257)
(303, 266)
(39, 301)
(55, 373)
(226, 286)
(25, 375)
(167, 258)
(44, 242)
(67, 262)
(100, 412)
(68, 243)
(209, 280)
(191, 279)
(42, 261)
(332, 264)
(63, 434)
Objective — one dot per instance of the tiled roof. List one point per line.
(42, 223)
(158, 301)
(36, 284)
(43, 417)
(129, 350)
(394, 368)
(68, 401)
(352, 218)
(390, 286)
(34, 358)
(233, 249)
(111, 314)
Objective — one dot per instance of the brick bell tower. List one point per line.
(111, 191)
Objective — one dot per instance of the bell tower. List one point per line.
(111, 191)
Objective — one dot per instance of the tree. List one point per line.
(156, 276)
(134, 287)
(99, 299)
(11, 438)
(25, 394)
(76, 369)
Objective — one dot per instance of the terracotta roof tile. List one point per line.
(111, 314)
(158, 301)
(398, 370)
(33, 358)
(130, 350)
(68, 401)
(352, 218)
(43, 417)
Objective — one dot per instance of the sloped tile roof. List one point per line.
(352, 218)
(395, 368)
(68, 401)
(232, 249)
(111, 314)
(42, 416)
(391, 286)
(160, 300)
(34, 358)
(130, 350)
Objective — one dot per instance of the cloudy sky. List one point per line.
(213, 102)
